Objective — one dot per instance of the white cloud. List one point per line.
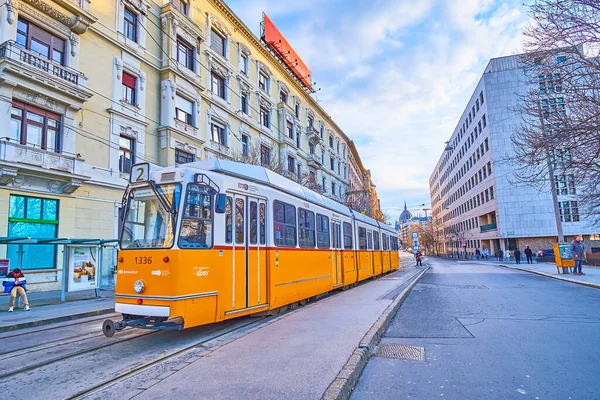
(396, 75)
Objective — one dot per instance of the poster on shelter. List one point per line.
(83, 268)
(565, 251)
(4, 267)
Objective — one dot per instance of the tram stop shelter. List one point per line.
(86, 263)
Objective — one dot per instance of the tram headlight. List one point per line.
(138, 286)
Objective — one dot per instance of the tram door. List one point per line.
(249, 274)
(336, 257)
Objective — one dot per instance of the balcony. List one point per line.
(314, 161)
(13, 51)
(488, 227)
(313, 134)
(30, 69)
(17, 161)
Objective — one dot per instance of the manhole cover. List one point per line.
(401, 351)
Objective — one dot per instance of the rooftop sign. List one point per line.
(276, 42)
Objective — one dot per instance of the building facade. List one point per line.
(473, 193)
(90, 87)
(362, 192)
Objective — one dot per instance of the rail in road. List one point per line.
(76, 360)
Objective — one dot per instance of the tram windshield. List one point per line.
(150, 217)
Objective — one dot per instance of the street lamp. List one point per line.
(448, 147)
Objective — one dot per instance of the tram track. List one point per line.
(140, 368)
(79, 367)
(131, 335)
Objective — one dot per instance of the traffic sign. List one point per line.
(415, 235)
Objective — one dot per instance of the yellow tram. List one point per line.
(213, 240)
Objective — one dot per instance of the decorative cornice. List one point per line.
(79, 23)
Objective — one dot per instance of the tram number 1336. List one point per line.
(143, 260)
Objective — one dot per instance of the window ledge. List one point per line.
(218, 99)
(130, 43)
(184, 126)
(133, 107)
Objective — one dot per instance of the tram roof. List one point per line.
(260, 174)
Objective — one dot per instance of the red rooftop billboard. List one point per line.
(277, 42)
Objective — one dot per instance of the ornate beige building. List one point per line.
(89, 87)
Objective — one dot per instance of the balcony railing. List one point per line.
(488, 227)
(15, 52)
(20, 155)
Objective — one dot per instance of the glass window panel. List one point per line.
(21, 39)
(50, 210)
(34, 208)
(34, 256)
(41, 48)
(51, 140)
(239, 221)
(253, 223)
(17, 207)
(15, 129)
(229, 220)
(262, 224)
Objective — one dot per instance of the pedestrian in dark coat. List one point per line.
(419, 258)
(528, 254)
(518, 256)
(578, 250)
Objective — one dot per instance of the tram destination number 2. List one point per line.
(143, 260)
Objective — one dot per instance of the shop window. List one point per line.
(36, 218)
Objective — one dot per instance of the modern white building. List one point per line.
(473, 193)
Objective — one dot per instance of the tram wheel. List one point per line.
(108, 328)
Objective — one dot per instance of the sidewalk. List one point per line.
(46, 308)
(298, 355)
(591, 277)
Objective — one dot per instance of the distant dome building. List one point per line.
(406, 215)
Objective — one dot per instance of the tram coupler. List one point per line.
(159, 323)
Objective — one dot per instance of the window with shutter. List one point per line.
(217, 42)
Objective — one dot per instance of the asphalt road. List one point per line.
(490, 333)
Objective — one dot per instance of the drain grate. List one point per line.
(401, 351)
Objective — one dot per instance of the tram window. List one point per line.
(284, 221)
(384, 241)
(347, 236)
(261, 227)
(370, 240)
(362, 238)
(196, 224)
(322, 232)
(253, 223)
(239, 220)
(375, 240)
(306, 228)
(229, 220)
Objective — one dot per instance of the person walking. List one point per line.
(518, 256)
(419, 258)
(528, 254)
(500, 255)
(477, 253)
(578, 250)
(16, 285)
(507, 255)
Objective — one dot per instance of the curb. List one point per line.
(588, 284)
(33, 324)
(347, 378)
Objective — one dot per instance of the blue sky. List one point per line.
(395, 75)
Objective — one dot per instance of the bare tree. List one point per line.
(557, 146)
